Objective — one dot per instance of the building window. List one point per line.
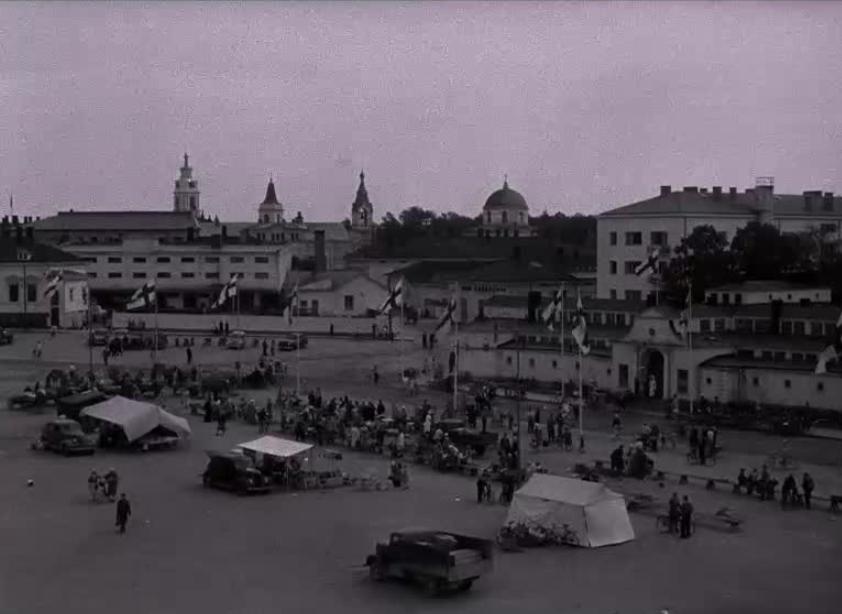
(188, 259)
(188, 275)
(508, 360)
(349, 302)
(704, 326)
(32, 293)
(211, 275)
(612, 237)
(820, 386)
(613, 267)
(531, 362)
(629, 266)
(114, 260)
(139, 259)
(683, 378)
(138, 275)
(755, 381)
(613, 294)
(766, 355)
(742, 325)
(634, 238)
(163, 275)
(115, 276)
(236, 259)
(624, 376)
(798, 328)
(780, 356)
(719, 325)
(738, 298)
(658, 238)
(708, 381)
(261, 275)
(811, 358)
(14, 292)
(787, 384)
(797, 357)
(555, 364)
(163, 259)
(816, 329)
(92, 274)
(786, 328)
(212, 259)
(634, 295)
(505, 217)
(261, 259)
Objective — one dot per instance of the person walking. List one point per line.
(686, 517)
(124, 510)
(674, 513)
(807, 485)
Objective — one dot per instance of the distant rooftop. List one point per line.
(117, 221)
(26, 250)
(765, 285)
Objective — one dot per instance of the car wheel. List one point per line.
(432, 586)
(206, 481)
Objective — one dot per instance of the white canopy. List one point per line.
(594, 513)
(276, 446)
(136, 418)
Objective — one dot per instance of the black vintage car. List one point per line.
(72, 405)
(234, 472)
(463, 437)
(65, 437)
(289, 343)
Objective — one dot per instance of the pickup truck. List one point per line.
(438, 560)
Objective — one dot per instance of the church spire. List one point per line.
(362, 193)
(271, 197)
(505, 181)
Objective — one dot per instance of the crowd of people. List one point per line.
(764, 485)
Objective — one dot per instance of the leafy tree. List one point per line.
(760, 251)
(702, 258)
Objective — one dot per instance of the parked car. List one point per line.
(6, 338)
(65, 437)
(234, 472)
(98, 337)
(236, 340)
(70, 406)
(436, 559)
(464, 437)
(289, 343)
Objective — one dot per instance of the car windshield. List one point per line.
(70, 429)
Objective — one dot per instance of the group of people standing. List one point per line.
(106, 486)
(680, 516)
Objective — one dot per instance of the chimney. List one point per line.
(732, 192)
(516, 253)
(691, 189)
(224, 231)
(827, 201)
(320, 256)
(717, 192)
(15, 220)
(19, 233)
(703, 190)
(666, 190)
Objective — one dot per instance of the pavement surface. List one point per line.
(193, 550)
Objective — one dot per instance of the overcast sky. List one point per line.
(585, 106)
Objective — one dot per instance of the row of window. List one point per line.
(14, 293)
(278, 237)
(656, 237)
(755, 381)
(168, 275)
(630, 266)
(531, 362)
(797, 328)
(184, 259)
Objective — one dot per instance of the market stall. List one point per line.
(127, 422)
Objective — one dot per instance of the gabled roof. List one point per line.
(117, 220)
(12, 250)
(333, 280)
(588, 303)
(764, 285)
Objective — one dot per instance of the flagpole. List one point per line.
(581, 396)
(90, 334)
(155, 348)
(456, 357)
(561, 337)
(690, 342)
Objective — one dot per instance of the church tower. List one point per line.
(361, 210)
(186, 194)
(270, 210)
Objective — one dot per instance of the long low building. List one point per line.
(751, 353)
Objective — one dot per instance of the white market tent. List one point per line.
(276, 446)
(594, 513)
(136, 418)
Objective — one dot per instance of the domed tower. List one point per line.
(362, 210)
(186, 194)
(270, 210)
(505, 213)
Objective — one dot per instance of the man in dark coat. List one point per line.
(807, 486)
(124, 510)
(686, 517)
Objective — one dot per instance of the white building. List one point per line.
(627, 235)
(24, 265)
(505, 214)
(186, 194)
(757, 292)
(340, 294)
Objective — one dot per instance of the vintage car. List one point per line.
(464, 437)
(236, 340)
(98, 337)
(234, 472)
(289, 343)
(65, 437)
(6, 338)
(30, 399)
(70, 406)
(438, 560)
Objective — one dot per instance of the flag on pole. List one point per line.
(143, 297)
(448, 316)
(53, 280)
(580, 331)
(395, 298)
(548, 316)
(833, 349)
(650, 264)
(229, 290)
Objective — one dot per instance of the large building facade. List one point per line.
(626, 236)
